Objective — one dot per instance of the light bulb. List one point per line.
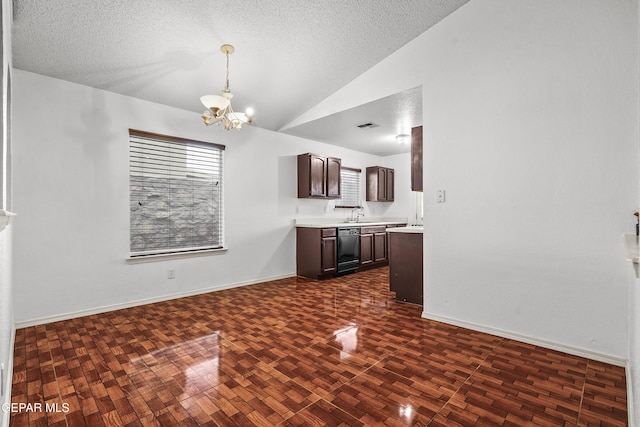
(403, 138)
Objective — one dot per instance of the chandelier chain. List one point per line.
(226, 87)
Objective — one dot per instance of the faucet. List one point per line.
(360, 212)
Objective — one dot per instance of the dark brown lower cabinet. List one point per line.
(316, 252)
(380, 245)
(366, 248)
(373, 245)
(317, 249)
(405, 266)
(329, 255)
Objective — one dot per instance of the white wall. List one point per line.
(7, 326)
(531, 126)
(6, 317)
(633, 368)
(404, 201)
(71, 189)
(633, 376)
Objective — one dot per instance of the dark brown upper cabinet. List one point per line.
(416, 158)
(318, 176)
(380, 184)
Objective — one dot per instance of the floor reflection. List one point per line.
(405, 411)
(192, 365)
(347, 337)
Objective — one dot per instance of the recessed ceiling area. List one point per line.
(390, 116)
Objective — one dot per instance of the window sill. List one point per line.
(165, 257)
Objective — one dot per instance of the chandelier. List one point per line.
(219, 109)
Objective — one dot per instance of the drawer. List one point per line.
(373, 230)
(328, 232)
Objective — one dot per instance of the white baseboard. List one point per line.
(600, 357)
(6, 397)
(129, 304)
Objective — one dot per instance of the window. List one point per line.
(349, 188)
(176, 194)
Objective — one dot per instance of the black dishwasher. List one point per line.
(348, 249)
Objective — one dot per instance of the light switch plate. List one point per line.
(440, 196)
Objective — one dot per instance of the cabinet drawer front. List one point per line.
(373, 230)
(328, 232)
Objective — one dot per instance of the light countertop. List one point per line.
(412, 229)
(341, 222)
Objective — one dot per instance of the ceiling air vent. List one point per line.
(368, 125)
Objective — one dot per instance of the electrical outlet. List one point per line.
(440, 196)
(171, 274)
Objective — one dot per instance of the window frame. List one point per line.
(338, 204)
(175, 251)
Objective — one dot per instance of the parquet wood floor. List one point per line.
(296, 352)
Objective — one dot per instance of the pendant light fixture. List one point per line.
(219, 109)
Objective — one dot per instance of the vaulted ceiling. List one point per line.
(289, 56)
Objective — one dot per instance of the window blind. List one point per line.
(176, 194)
(350, 188)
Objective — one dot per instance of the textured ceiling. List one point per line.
(289, 55)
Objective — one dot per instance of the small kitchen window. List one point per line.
(349, 188)
(176, 194)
